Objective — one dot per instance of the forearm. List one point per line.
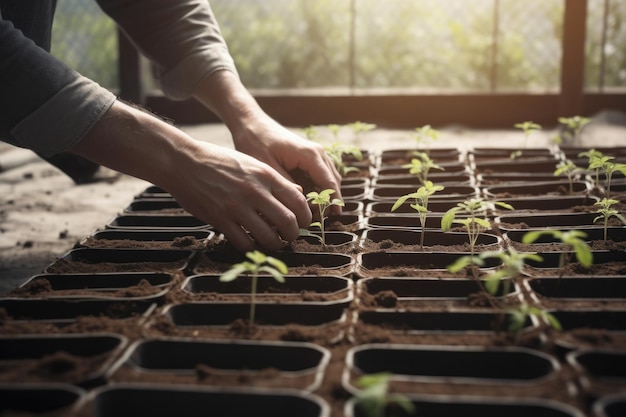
(136, 143)
(225, 95)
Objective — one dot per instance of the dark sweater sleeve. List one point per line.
(181, 37)
(44, 105)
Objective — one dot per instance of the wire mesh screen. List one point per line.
(85, 38)
(427, 44)
(421, 45)
(606, 45)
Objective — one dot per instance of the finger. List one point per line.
(262, 230)
(288, 211)
(237, 237)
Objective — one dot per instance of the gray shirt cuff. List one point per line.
(61, 122)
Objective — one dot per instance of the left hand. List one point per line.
(285, 151)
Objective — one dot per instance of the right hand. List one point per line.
(237, 194)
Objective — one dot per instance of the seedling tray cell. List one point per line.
(456, 406)
(453, 364)
(178, 356)
(104, 285)
(147, 222)
(138, 400)
(40, 399)
(417, 322)
(421, 289)
(101, 350)
(60, 311)
(267, 314)
(267, 285)
(578, 288)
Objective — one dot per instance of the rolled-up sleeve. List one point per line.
(181, 37)
(44, 105)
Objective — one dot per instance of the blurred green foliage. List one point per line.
(425, 45)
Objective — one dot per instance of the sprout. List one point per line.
(323, 202)
(258, 263)
(421, 197)
(375, 396)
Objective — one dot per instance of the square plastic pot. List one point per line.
(40, 399)
(163, 401)
(85, 260)
(31, 358)
(293, 364)
(103, 286)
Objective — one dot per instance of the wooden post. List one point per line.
(573, 60)
(129, 70)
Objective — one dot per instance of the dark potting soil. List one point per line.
(338, 336)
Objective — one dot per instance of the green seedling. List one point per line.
(569, 169)
(574, 124)
(334, 130)
(571, 238)
(609, 168)
(425, 135)
(593, 155)
(336, 152)
(360, 127)
(605, 212)
(259, 263)
(323, 201)
(421, 166)
(528, 127)
(512, 265)
(421, 197)
(519, 315)
(375, 398)
(475, 222)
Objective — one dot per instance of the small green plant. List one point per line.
(474, 224)
(421, 197)
(359, 127)
(374, 398)
(421, 166)
(605, 212)
(575, 124)
(336, 152)
(424, 136)
(528, 127)
(323, 201)
(258, 263)
(569, 169)
(571, 238)
(512, 265)
(518, 316)
(593, 155)
(609, 168)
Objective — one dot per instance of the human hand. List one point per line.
(286, 152)
(242, 197)
(258, 135)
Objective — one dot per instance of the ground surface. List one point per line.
(43, 214)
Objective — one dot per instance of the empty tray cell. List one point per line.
(417, 322)
(454, 364)
(121, 400)
(146, 222)
(76, 359)
(183, 357)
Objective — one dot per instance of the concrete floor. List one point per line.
(43, 214)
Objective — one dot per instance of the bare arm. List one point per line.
(258, 135)
(220, 186)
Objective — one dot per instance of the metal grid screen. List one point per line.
(85, 38)
(421, 45)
